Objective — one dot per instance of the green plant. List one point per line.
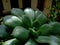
(28, 27)
(55, 10)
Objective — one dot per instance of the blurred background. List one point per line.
(6, 5)
(46, 6)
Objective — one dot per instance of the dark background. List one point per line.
(26, 3)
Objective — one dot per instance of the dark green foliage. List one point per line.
(29, 27)
(20, 33)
